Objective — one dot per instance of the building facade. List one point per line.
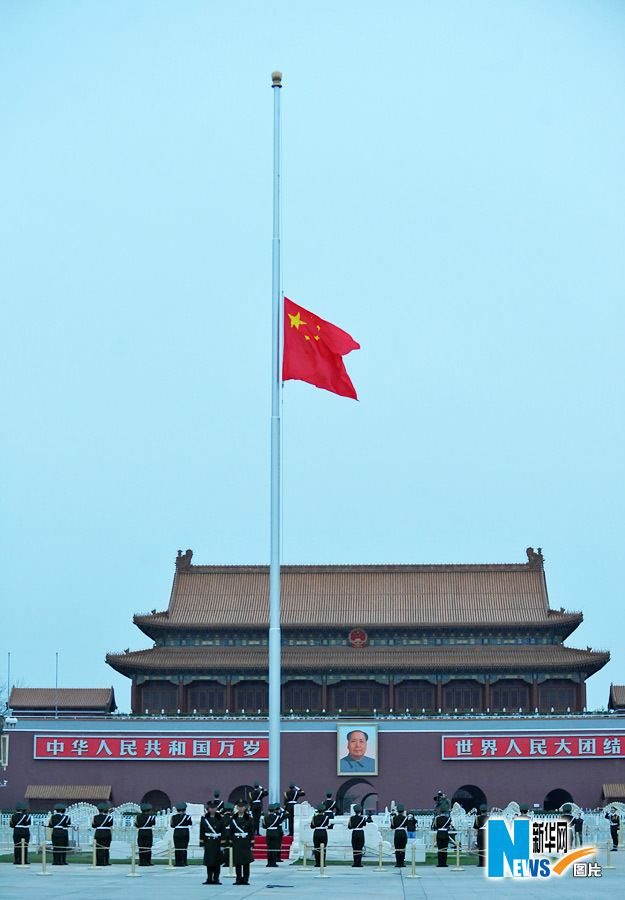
(360, 640)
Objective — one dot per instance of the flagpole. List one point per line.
(276, 385)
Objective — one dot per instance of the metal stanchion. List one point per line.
(608, 864)
(457, 867)
(413, 864)
(94, 857)
(230, 862)
(23, 864)
(322, 862)
(43, 860)
(303, 867)
(380, 867)
(132, 873)
(170, 864)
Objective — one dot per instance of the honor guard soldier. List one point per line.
(479, 824)
(272, 823)
(103, 834)
(20, 822)
(219, 809)
(181, 823)
(523, 811)
(212, 842)
(329, 804)
(257, 794)
(145, 822)
(60, 823)
(615, 824)
(290, 799)
(241, 830)
(441, 825)
(356, 825)
(399, 824)
(320, 822)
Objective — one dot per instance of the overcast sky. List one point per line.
(453, 196)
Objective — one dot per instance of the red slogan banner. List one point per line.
(533, 746)
(104, 746)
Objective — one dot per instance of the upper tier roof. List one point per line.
(209, 597)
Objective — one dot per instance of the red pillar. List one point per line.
(535, 693)
(229, 693)
(581, 694)
(135, 698)
(324, 692)
(439, 692)
(391, 693)
(180, 703)
(486, 704)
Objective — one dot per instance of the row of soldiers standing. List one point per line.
(60, 823)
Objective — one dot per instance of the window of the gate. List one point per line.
(463, 696)
(206, 697)
(415, 696)
(355, 697)
(557, 695)
(301, 696)
(509, 695)
(251, 696)
(157, 696)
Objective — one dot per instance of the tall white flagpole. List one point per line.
(276, 387)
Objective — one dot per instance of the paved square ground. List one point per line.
(160, 883)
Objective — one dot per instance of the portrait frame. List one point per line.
(352, 767)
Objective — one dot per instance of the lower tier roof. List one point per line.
(320, 660)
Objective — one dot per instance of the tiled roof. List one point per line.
(66, 699)
(68, 792)
(364, 596)
(617, 696)
(533, 658)
(614, 791)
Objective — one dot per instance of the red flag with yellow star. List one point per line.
(314, 351)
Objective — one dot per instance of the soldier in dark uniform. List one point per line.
(441, 825)
(20, 823)
(320, 822)
(145, 822)
(60, 823)
(329, 804)
(356, 825)
(615, 824)
(241, 833)
(272, 823)
(290, 799)
(479, 825)
(219, 810)
(523, 811)
(181, 822)
(211, 839)
(257, 794)
(567, 814)
(399, 824)
(103, 824)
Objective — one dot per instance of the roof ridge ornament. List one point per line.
(535, 560)
(183, 561)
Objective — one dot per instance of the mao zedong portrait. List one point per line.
(357, 759)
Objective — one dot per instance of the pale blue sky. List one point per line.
(453, 197)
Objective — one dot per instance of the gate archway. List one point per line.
(555, 799)
(469, 796)
(345, 795)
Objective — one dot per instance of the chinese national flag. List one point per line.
(314, 351)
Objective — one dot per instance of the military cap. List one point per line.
(524, 807)
(241, 802)
(181, 806)
(567, 808)
(358, 808)
(291, 784)
(483, 807)
(257, 784)
(400, 807)
(328, 793)
(321, 808)
(20, 807)
(274, 806)
(60, 806)
(103, 807)
(145, 807)
(213, 803)
(229, 806)
(216, 793)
